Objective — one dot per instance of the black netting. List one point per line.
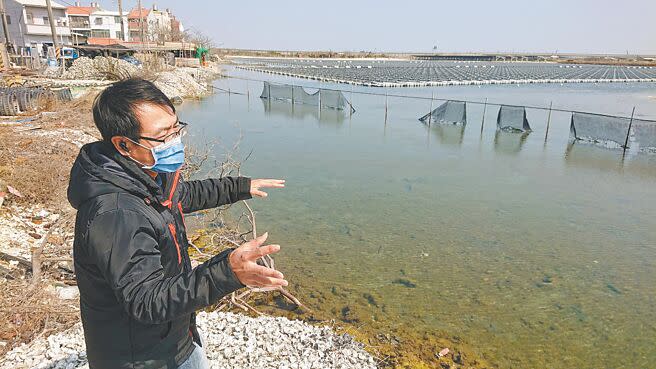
(644, 134)
(297, 95)
(513, 118)
(276, 92)
(605, 130)
(333, 99)
(302, 97)
(453, 112)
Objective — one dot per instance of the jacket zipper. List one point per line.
(175, 239)
(184, 224)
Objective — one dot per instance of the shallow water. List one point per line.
(538, 254)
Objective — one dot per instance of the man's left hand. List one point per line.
(256, 184)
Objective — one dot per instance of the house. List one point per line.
(158, 26)
(95, 22)
(79, 20)
(29, 26)
(177, 29)
(138, 20)
(107, 24)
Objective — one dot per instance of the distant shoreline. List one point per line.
(619, 60)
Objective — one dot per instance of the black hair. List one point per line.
(114, 109)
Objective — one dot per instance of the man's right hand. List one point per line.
(243, 261)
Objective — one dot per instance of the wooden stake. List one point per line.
(548, 122)
(628, 132)
(484, 110)
(351, 103)
(248, 94)
(430, 112)
(385, 106)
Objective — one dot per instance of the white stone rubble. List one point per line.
(232, 341)
(100, 68)
(184, 82)
(21, 229)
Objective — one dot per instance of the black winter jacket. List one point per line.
(138, 292)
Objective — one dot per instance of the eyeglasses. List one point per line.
(178, 133)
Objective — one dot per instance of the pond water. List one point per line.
(537, 253)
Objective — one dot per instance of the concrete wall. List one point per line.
(24, 34)
(109, 23)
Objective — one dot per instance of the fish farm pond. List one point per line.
(533, 250)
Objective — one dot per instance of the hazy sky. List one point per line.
(587, 26)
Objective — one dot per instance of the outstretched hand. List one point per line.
(256, 184)
(243, 261)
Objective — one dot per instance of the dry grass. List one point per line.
(28, 313)
(39, 165)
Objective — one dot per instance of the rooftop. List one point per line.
(40, 3)
(134, 13)
(79, 10)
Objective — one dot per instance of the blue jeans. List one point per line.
(197, 360)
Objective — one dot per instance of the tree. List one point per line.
(199, 39)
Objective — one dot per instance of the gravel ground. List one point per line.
(231, 341)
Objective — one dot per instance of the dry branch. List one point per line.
(232, 166)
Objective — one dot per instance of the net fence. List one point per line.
(513, 118)
(330, 99)
(606, 130)
(644, 134)
(450, 112)
(300, 96)
(614, 132)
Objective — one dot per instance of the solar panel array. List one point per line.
(408, 73)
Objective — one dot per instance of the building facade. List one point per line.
(158, 25)
(29, 25)
(80, 22)
(138, 20)
(94, 22)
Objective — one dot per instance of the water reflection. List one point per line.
(509, 142)
(448, 134)
(580, 154)
(299, 111)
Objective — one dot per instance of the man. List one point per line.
(138, 291)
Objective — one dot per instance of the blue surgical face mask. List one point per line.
(168, 156)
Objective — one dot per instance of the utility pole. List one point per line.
(120, 14)
(5, 27)
(53, 29)
(141, 23)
